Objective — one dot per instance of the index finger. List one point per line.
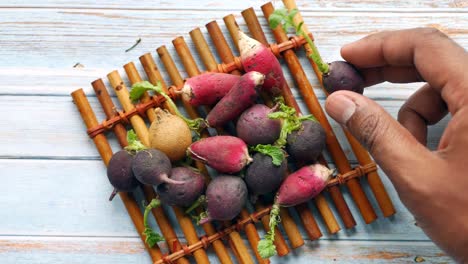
(438, 59)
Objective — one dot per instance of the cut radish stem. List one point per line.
(338, 75)
(297, 188)
(257, 57)
(226, 154)
(151, 237)
(139, 88)
(208, 88)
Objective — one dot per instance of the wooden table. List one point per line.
(53, 203)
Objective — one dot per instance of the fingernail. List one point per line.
(340, 108)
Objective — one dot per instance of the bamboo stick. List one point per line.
(163, 222)
(314, 107)
(177, 80)
(105, 151)
(256, 30)
(184, 221)
(192, 69)
(363, 157)
(211, 65)
(109, 109)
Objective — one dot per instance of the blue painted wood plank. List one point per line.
(50, 126)
(69, 198)
(105, 250)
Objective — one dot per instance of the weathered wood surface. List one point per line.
(54, 208)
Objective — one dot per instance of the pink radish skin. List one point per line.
(257, 57)
(226, 154)
(208, 88)
(303, 185)
(241, 96)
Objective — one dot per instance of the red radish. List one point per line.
(257, 57)
(299, 187)
(208, 88)
(226, 154)
(241, 96)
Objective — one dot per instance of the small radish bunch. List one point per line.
(338, 75)
(299, 187)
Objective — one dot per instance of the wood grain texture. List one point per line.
(234, 5)
(54, 208)
(31, 136)
(18, 250)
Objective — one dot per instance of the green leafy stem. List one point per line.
(151, 237)
(139, 88)
(286, 20)
(266, 247)
(291, 122)
(134, 145)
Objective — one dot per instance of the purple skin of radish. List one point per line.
(299, 187)
(152, 167)
(226, 154)
(120, 174)
(208, 88)
(241, 96)
(255, 127)
(226, 195)
(306, 144)
(257, 57)
(343, 76)
(262, 176)
(182, 194)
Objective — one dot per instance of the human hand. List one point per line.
(432, 184)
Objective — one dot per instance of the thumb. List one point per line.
(391, 145)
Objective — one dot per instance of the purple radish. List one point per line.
(226, 154)
(257, 57)
(152, 167)
(183, 194)
(255, 127)
(262, 176)
(343, 76)
(120, 174)
(306, 144)
(208, 88)
(299, 187)
(338, 75)
(225, 197)
(241, 96)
